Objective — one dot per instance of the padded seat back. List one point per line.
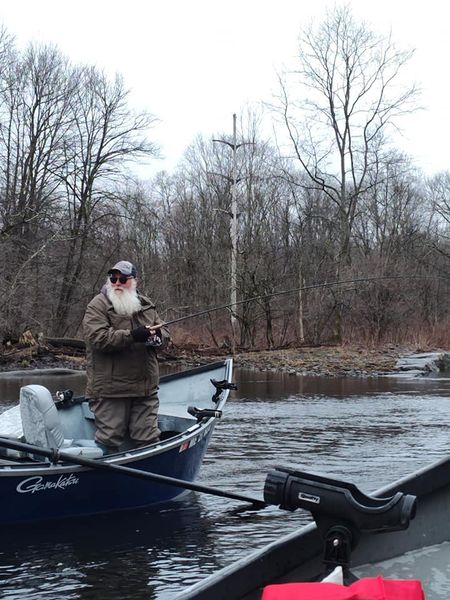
(42, 426)
(40, 419)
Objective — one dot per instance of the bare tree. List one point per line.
(347, 102)
(105, 134)
(438, 193)
(34, 102)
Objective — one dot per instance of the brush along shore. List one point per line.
(332, 360)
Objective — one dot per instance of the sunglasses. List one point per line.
(122, 278)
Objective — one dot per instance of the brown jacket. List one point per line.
(116, 366)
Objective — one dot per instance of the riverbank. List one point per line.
(333, 360)
(343, 360)
(326, 360)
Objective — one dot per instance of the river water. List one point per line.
(367, 431)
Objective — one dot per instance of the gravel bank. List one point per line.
(329, 361)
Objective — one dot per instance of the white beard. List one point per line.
(126, 302)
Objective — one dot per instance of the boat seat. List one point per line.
(11, 424)
(11, 428)
(42, 426)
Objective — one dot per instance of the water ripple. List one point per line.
(365, 431)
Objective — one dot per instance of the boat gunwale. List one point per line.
(195, 370)
(132, 455)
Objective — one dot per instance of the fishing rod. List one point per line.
(287, 292)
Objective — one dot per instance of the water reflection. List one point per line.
(138, 554)
(53, 379)
(271, 385)
(367, 431)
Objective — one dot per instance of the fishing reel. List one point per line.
(154, 341)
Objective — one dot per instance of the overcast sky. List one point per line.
(193, 63)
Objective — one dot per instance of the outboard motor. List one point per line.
(341, 511)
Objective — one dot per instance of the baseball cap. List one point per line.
(124, 267)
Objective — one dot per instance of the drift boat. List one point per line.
(50, 466)
(363, 534)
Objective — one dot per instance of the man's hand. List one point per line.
(140, 334)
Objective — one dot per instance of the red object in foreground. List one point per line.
(369, 588)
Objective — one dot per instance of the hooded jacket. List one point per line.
(116, 365)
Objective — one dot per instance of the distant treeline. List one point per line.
(328, 199)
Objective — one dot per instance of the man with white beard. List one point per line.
(121, 362)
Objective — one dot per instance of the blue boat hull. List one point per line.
(45, 491)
